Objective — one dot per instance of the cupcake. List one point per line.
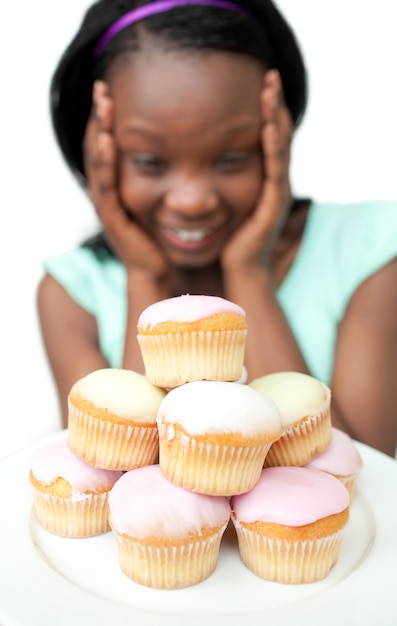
(190, 338)
(70, 496)
(214, 436)
(304, 405)
(112, 419)
(167, 537)
(341, 459)
(290, 526)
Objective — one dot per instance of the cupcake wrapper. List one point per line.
(66, 517)
(283, 561)
(304, 440)
(109, 445)
(174, 359)
(207, 467)
(169, 567)
(350, 483)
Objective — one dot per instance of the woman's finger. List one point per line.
(276, 143)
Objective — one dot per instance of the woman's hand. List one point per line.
(253, 242)
(133, 246)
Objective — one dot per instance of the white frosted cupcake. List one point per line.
(341, 459)
(304, 405)
(214, 436)
(290, 526)
(167, 537)
(192, 337)
(70, 496)
(112, 419)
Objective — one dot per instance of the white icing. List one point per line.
(144, 503)
(204, 406)
(123, 392)
(296, 395)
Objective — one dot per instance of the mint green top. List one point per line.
(342, 245)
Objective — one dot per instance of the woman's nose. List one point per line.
(191, 195)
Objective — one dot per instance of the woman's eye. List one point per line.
(233, 160)
(149, 163)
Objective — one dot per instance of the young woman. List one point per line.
(178, 118)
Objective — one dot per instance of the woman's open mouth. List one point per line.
(189, 238)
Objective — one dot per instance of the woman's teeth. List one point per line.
(191, 235)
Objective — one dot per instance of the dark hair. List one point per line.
(263, 35)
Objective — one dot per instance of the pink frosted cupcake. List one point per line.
(112, 419)
(304, 405)
(341, 459)
(189, 338)
(167, 537)
(290, 526)
(214, 436)
(70, 496)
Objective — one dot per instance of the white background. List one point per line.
(345, 150)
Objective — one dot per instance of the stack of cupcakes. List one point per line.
(187, 447)
(214, 434)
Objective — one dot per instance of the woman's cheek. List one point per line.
(244, 194)
(137, 193)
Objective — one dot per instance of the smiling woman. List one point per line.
(190, 169)
(165, 83)
(56, 215)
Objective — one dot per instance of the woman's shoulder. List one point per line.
(360, 237)
(91, 255)
(87, 275)
(371, 222)
(355, 214)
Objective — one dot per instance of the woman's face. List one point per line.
(187, 130)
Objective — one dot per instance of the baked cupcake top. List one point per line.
(291, 496)
(143, 503)
(212, 407)
(340, 458)
(189, 309)
(296, 395)
(54, 461)
(119, 392)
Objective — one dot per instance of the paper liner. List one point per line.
(177, 358)
(209, 468)
(67, 517)
(350, 483)
(283, 561)
(109, 445)
(302, 441)
(169, 567)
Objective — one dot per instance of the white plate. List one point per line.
(47, 580)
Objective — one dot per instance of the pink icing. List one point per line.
(186, 308)
(143, 503)
(57, 461)
(341, 457)
(292, 496)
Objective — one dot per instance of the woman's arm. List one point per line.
(364, 382)
(70, 337)
(271, 345)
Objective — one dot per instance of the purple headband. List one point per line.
(161, 6)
